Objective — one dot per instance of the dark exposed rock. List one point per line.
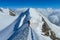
(12, 13)
(45, 28)
(48, 32)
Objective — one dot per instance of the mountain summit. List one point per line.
(29, 24)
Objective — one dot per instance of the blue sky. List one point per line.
(30, 3)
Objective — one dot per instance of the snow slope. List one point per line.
(53, 27)
(6, 19)
(36, 24)
(9, 24)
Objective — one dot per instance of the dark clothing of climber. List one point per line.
(28, 23)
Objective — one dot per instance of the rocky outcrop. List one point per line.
(48, 32)
(12, 13)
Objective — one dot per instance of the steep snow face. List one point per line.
(6, 19)
(5, 11)
(22, 21)
(53, 27)
(8, 22)
(35, 18)
(52, 14)
(36, 24)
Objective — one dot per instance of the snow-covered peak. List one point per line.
(7, 16)
(39, 20)
(35, 16)
(20, 10)
(7, 11)
(37, 24)
(4, 11)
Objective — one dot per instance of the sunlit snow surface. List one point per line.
(7, 19)
(51, 16)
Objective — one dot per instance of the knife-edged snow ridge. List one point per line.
(29, 24)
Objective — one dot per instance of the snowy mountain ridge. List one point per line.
(40, 22)
(52, 26)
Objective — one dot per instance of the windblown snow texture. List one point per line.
(25, 21)
(15, 31)
(22, 32)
